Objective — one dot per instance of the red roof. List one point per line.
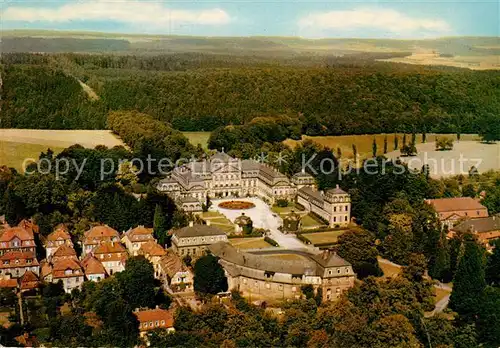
(92, 265)
(140, 233)
(165, 319)
(29, 280)
(18, 259)
(443, 205)
(102, 231)
(19, 232)
(60, 267)
(64, 251)
(110, 251)
(8, 283)
(60, 233)
(151, 248)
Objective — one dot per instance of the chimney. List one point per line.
(191, 223)
(208, 222)
(337, 186)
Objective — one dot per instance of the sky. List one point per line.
(403, 19)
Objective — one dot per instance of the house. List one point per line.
(16, 263)
(59, 237)
(29, 281)
(486, 229)
(112, 255)
(134, 238)
(334, 205)
(451, 210)
(173, 272)
(93, 268)
(69, 271)
(243, 224)
(17, 239)
(194, 239)
(271, 279)
(97, 235)
(64, 252)
(153, 252)
(152, 319)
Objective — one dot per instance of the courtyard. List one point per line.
(262, 217)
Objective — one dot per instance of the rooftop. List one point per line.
(442, 205)
(479, 225)
(198, 231)
(60, 233)
(153, 315)
(91, 265)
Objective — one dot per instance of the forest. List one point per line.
(203, 92)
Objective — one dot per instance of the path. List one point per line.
(263, 217)
(87, 89)
(442, 303)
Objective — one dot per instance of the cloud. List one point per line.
(385, 20)
(137, 13)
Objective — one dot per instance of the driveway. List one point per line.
(262, 217)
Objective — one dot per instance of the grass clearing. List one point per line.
(196, 138)
(390, 271)
(324, 237)
(309, 221)
(440, 293)
(249, 243)
(364, 142)
(13, 154)
(18, 144)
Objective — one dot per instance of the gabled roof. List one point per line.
(336, 191)
(197, 231)
(101, 231)
(153, 315)
(16, 232)
(442, 205)
(172, 263)
(64, 251)
(480, 225)
(8, 283)
(29, 280)
(91, 265)
(140, 233)
(327, 259)
(60, 234)
(152, 248)
(20, 257)
(29, 226)
(109, 248)
(60, 267)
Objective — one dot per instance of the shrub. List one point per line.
(271, 241)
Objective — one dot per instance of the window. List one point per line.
(280, 287)
(150, 324)
(347, 270)
(294, 288)
(338, 270)
(163, 322)
(157, 323)
(334, 209)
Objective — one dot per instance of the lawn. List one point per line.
(18, 144)
(389, 270)
(364, 142)
(440, 293)
(196, 138)
(249, 243)
(309, 221)
(13, 154)
(211, 214)
(323, 237)
(285, 210)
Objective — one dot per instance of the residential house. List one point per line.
(451, 211)
(97, 235)
(64, 252)
(486, 229)
(29, 281)
(194, 239)
(93, 268)
(69, 271)
(174, 273)
(59, 237)
(16, 263)
(17, 239)
(112, 255)
(134, 238)
(152, 319)
(153, 252)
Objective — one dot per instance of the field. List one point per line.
(309, 221)
(196, 138)
(364, 142)
(327, 237)
(18, 144)
(218, 220)
(469, 62)
(249, 243)
(459, 160)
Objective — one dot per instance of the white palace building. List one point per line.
(223, 176)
